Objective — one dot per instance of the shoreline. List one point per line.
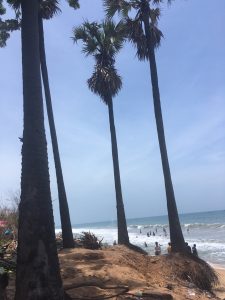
(217, 266)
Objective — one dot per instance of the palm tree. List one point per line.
(103, 42)
(48, 8)
(37, 274)
(142, 31)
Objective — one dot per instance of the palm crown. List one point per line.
(48, 8)
(134, 22)
(103, 42)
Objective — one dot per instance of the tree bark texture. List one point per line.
(38, 273)
(67, 234)
(176, 235)
(123, 237)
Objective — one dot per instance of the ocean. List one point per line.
(205, 229)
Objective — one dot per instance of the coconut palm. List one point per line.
(103, 42)
(142, 31)
(37, 274)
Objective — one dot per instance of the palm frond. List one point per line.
(157, 2)
(156, 36)
(154, 15)
(15, 4)
(2, 8)
(89, 34)
(136, 35)
(114, 36)
(121, 7)
(49, 8)
(105, 82)
(11, 25)
(6, 27)
(74, 4)
(4, 36)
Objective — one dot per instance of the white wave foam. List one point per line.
(186, 225)
(208, 237)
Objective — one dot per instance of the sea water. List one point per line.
(205, 229)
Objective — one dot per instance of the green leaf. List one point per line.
(74, 4)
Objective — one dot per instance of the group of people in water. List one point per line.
(157, 249)
(153, 233)
(192, 250)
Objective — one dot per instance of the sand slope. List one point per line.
(121, 266)
(97, 270)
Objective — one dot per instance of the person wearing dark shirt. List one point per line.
(188, 248)
(194, 250)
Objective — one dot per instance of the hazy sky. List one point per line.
(191, 68)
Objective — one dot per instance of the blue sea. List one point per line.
(205, 229)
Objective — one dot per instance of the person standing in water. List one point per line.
(157, 249)
(194, 250)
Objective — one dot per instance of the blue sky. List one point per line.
(191, 68)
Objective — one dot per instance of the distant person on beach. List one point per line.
(194, 250)
(157, 249)
(140, 231)
(153, 233)
(169, 248)
(188, 248)
(146, 245)
(164, 230)
(188, 230)
(150, 233)
(147, 234)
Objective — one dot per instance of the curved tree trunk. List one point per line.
(176, 235)
(67, 234)
(123, 237)
(37, 273)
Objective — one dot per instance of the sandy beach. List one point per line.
(93, 274)
(119, 266)
(220, 290)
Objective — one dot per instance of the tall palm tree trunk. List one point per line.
(123, 237)
(37, 274)
(176, 235)
(67, 234)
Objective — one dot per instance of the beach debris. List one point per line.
(89, 241)
(197, 272)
